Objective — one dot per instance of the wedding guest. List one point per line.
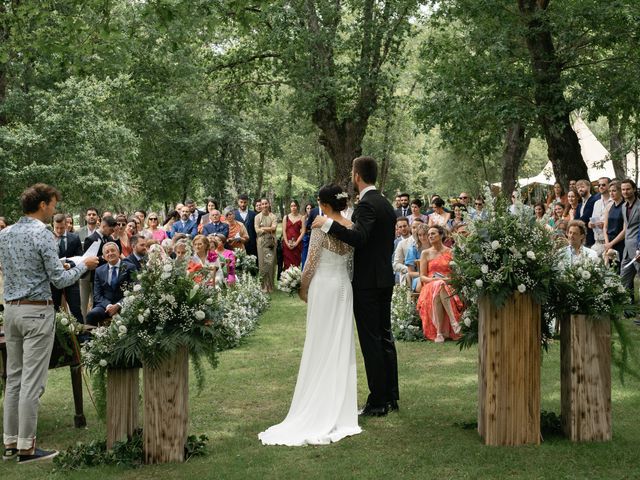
(266, 225)
(247, 218)
(101, 235)
(219, 252)
(614, 223)
(573, 205)
(153, 230)
(111, 279)
(85, 283)
(293, 229)
(586, 207)
(199, 263)
(412, 259)
(403, 210)
(307, 208)
(539, 211)
(464, 198)
(572, 184)
(440, 309)
(238, 235)
(557, 195)
(91, 223)
(311, 213)
(185, 224)
(167, 246)
(206, 218)
(180, 251)
(439, 216)
(631, 219)
(215, 225)
(69, 222)
(136, 260)
(396, 202)
(416, 205)
(258, 206)
(141, 215)
(3, 223)
(106, 213)
(172, 217)
(121, 233)
(596, 222)
(403, 230)
(459, 211)
(69, 245)
(557, 214)
(575, 251)
(480, 213)
(29, 258)
(194, 212)
(402, 246)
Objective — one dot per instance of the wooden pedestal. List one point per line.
(509, 371)
(585, 363)
(166, 409)
(123, 390)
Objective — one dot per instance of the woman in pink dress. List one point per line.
(227, 257)
(153, 231)
(293, 231)
(439, 308)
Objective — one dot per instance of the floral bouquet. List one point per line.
(505, 253)
(245, 263)
(290, 280)
(405, 321)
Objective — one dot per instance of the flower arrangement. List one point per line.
(290, 280)
(245, 263)
(506, 252)
(405, 321)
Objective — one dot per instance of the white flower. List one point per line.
(122, 329)
(495, 244)
(209, 301)
(137, 287)
(103, 363)
(522, 288)
(586, 274)
(167, 267)
(165, 275)
(467, 321)
(200, 315)
(147, 312)
(64, 322)
(479, 283)
(141, 318)
(531, 255)
(484, 268)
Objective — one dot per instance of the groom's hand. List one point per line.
(318, 222)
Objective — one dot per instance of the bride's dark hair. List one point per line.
(329, 194)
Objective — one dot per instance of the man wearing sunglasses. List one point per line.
(596, 222)
(464, 199)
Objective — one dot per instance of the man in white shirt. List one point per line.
(399, 267)
(596, 222)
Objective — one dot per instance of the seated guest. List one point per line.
(172, 217)
(108, 290)
(199, 264)
(227, 259)
(404, 233)
(238, 235)
(557, 214)
(153, 230)
(185, 224)
(575, 251)
(439, 308)
(439, 215)
(480, 213)
(69, 245)
(412, 259)
(206, 218)
(215, 225)
(459, 211)
(180, 251)
(416, 205)
(167, 246)
(138, 256)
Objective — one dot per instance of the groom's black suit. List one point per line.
(372, 236)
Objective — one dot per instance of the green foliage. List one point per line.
(405, 321)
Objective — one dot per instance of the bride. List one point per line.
(324, 406)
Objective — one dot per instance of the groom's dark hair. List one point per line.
(367, 168)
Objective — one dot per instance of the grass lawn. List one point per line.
(252, 387)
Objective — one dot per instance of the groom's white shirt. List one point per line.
(327, 225)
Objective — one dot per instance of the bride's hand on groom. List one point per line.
(318, 222)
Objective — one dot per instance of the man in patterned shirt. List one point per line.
(29, 258)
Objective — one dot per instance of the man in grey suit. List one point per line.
(631, 217)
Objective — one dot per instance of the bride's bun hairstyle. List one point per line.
(334, 195)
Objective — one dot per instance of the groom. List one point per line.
(372, 236)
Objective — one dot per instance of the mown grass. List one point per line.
(252, 387)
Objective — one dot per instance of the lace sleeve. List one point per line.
(311, 264)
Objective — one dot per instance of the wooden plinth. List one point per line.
(585, 366)
(509, 371)
(166, 409)
(123, 390)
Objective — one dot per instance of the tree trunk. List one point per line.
(343, 143)
(386, 150)
(261, 163)
(288, 190)
(553, 110)
(616, 147)
(516, 144)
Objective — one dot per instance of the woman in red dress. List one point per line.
(439, 308)
(292, 233)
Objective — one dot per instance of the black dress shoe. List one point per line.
(371, 411)
(392, 406)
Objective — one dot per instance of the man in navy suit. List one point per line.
(185, 225)
(195, 213)
(135, 261)
(586, 208)
(215, 225)
(109, 283)
(247, 218)
(69, 245)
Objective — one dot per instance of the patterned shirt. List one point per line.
(29, 259)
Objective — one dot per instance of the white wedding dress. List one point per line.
(324, 407)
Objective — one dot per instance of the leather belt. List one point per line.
(30, 302)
